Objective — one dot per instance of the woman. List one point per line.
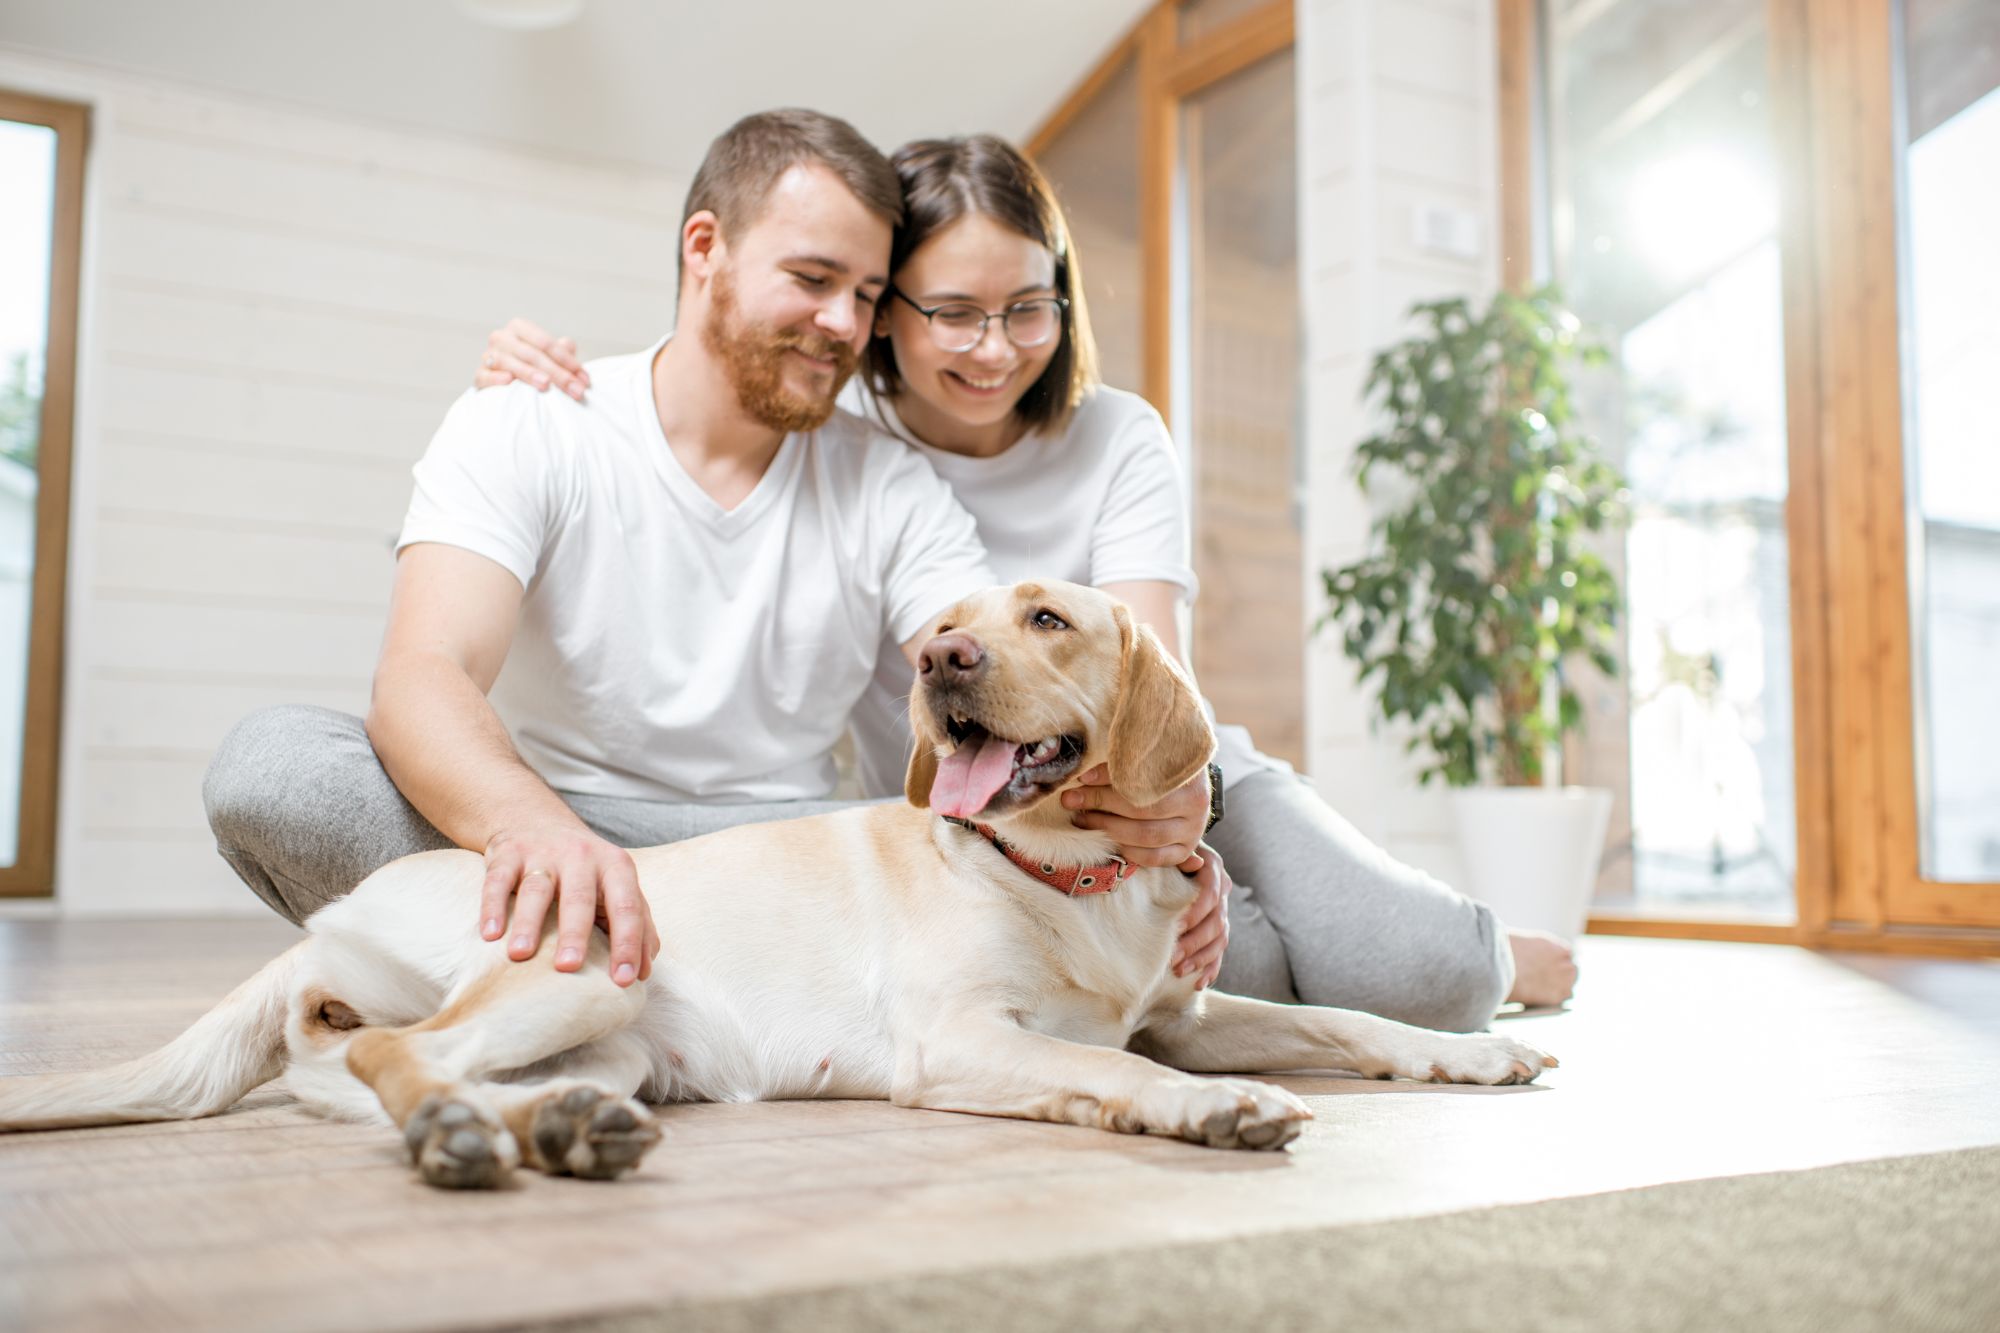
(982, 359)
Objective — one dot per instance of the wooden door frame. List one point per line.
(33, 871)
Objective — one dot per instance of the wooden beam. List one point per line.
(1872, 434)
(1517, 45)
(1807, 494)
(1233, 47)
(1848, 546)
(1886, 940)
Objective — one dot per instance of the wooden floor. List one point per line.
(1680, 1060)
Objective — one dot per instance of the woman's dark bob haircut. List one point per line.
(943, 181)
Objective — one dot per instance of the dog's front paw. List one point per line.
(1482, 1057)
(584, 1130)
(1238, 1113)
(458, 1143)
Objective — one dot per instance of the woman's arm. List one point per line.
(523, 350)
(1156, 604)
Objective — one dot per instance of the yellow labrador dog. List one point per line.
(970, 950)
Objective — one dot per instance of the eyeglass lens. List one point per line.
(956, 328)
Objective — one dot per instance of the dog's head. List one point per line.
(1021, 689)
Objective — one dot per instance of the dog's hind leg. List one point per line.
(581, 1118)
(429, 1075)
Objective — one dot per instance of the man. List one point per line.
(685, 581)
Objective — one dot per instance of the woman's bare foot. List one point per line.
(1544, 969)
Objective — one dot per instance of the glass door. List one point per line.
(1239, 362)
(41, 156)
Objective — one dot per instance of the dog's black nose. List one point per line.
(950, 658)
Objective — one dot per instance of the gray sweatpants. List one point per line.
(302, 809)
(1325, 915)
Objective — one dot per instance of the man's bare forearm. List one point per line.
(448, 753)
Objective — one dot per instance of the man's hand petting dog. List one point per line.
(1167, 833)
(591, 882)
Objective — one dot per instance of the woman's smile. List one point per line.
(979, 386)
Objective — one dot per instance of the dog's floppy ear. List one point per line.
(1159, 736)
(923, 769)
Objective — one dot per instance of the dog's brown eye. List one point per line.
(1047, 619)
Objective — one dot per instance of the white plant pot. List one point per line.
(1531, 853)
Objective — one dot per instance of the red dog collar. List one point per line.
(1075, 881)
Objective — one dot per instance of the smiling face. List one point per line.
(786, 303)
(978, 261)
(1022, 688)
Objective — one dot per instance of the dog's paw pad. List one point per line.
(1268, 1134)
(457, 1144)
(592, 1133)
(1244, 1113)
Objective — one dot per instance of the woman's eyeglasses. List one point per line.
(958, 326)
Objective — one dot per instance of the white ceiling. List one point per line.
(647, 81)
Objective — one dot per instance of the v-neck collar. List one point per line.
(1020, 455)
(777, 474)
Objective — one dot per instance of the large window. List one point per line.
(1781, 215)
(41, 153)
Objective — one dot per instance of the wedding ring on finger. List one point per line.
(527, 875)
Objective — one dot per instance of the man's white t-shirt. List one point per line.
(669, 649)
(1098, 502)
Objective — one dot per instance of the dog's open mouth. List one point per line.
(986, 771)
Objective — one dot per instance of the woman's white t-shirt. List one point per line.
(669, 649)
(1099, 502)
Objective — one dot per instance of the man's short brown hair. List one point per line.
(747, 159)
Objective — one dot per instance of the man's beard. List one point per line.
(754, 360)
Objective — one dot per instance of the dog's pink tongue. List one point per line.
(967, 778)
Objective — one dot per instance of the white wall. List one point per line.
(278, 308)
(1397, 108)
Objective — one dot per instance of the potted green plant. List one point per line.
(1483, 588)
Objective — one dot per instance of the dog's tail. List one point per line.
(230, 1050)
